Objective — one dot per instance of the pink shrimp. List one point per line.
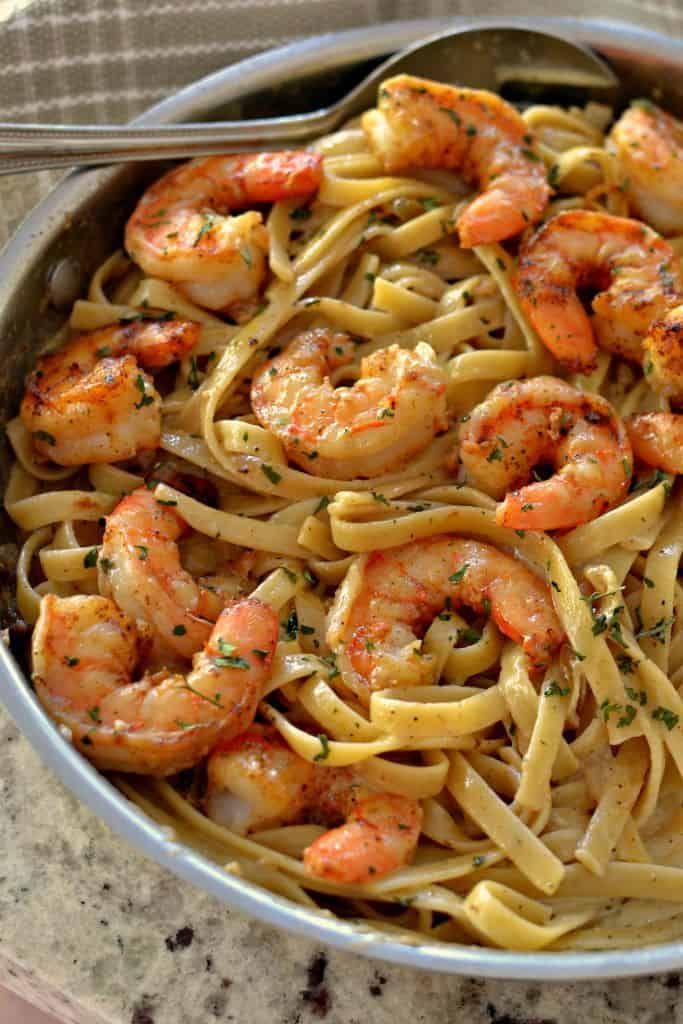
(85, 651)
(637, 272)
(90, 402)
(182, 231)
(139, 567)
(525, 423)
(388, 599)
(424, 124)
(257, 782)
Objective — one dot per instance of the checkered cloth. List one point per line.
(106, 60)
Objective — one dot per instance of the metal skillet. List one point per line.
(77, 226)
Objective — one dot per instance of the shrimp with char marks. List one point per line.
(391, 413)
(657, 437)
(182, 229)
(544, 421)
(389, 598)
(649, 145)
(84, 655)
(90, 401)
(425, 124)
(637, 273)
(257, 782)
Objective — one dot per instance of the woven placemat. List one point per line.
(107, 60)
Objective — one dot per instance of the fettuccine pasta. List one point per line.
(527, 721)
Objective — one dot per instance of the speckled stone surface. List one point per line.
(94, 932)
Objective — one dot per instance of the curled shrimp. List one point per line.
(544, 421)
(649, 145)
(373, 427)
(663, 355)
(90, 402)
(657, 439)
(139, 567)
(388, 598)
(257, 782)
(426, 124)
(637, 273)
(182, 231)
(85, 651)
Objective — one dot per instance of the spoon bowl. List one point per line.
(523, 65)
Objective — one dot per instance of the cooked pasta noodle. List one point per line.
(550, 790)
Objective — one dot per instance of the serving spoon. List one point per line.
(521, 64)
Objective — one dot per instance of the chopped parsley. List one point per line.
(380, 498)
(291, 626)
(665, 715)
(430, 257)
(71, 662)
(146, 399)
(227, 659)
(43, 435)
(193, 375)
(271, 473)
(300, 213)
(179, 630)
(555, 690)
(469, 635)
(658, 631)
(324, 748)
(90, 560)
(143, 551)
(322, 504)
(106, 565)
(457, 577)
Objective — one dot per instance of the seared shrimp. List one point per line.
(388, 599)
(544, 421)
(182, 231)
(85, 653)
(139, 567)
(389, 415)
(663, 355)
(649, 144)
(637, 272)
(90, 402)
(425, 124)
(657, 439)
(257, 782)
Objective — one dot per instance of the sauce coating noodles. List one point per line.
(547, 772)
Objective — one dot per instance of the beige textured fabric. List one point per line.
(106, 60)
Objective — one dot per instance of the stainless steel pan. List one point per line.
(81, 222)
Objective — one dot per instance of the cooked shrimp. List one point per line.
(388, 599)
(375, 426)
(425, 124)
(85, 653)
(139, 567)
(637, 273)
(90, 402)
(649, 144)
(544, 421)
(663, 355)
(657, 439)
(257, 782)
(182, 231)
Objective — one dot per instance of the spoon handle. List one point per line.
(35, 147)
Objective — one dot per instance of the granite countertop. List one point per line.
(99, 935)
